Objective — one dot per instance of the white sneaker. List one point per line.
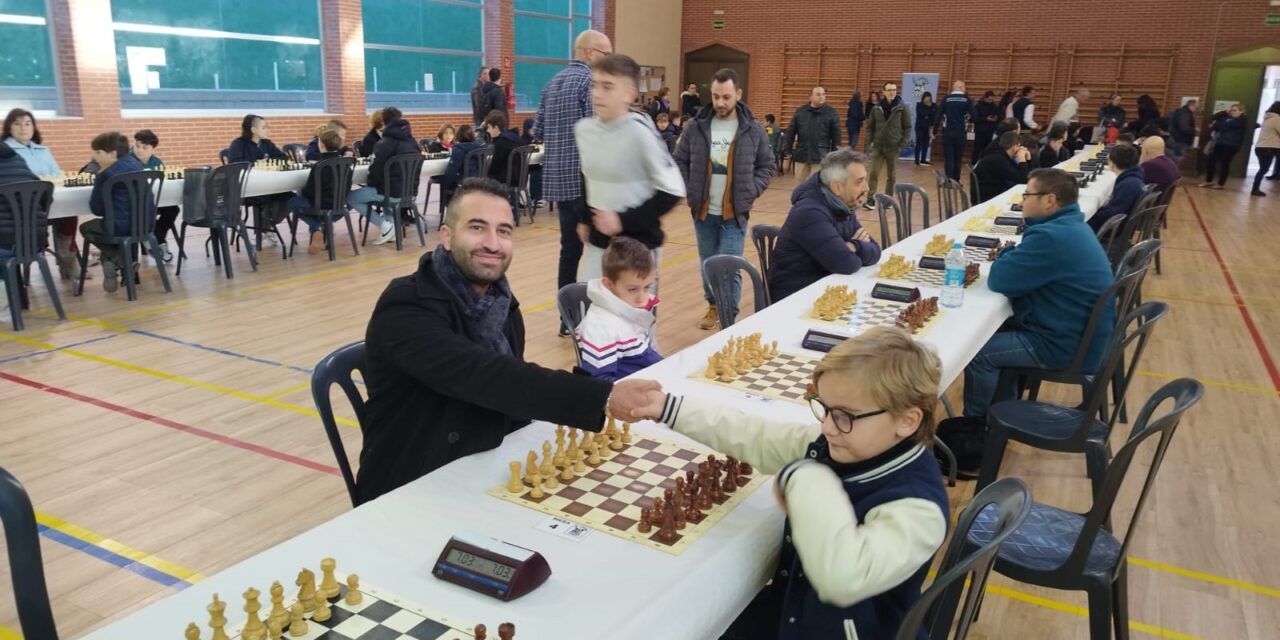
(165, 254)
(388, 230)
(270, 239)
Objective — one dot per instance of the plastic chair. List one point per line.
(474, 165)
(1060, 549)
(973, 185)
(572, 302)
(906, 194)
(952, 197)
(1109, 230)
(28, 203)
(518, 182)
(336, 172)
(408, 165)
(885, 204)
(336, 368)
(1165, 200)
(1137, 227)
(720, 273)
(222, 193)
(224, 156)
(765, 238)
(425, 145)
(22, 538)
(144, 189)
(1073, 429)
(296, 152)
(1008, 502)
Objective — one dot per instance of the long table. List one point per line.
(601, 585)
(74, 201)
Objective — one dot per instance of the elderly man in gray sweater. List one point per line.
(726, 163)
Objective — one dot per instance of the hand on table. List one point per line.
(630, 396)
(606, 222)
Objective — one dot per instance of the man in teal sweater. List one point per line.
(1053, 277)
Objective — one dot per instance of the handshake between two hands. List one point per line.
(633, 399)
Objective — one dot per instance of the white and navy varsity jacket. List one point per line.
(615, 338)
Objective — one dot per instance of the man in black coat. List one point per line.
(445, 363)
(1002, 167)
(813, 133)
(492, 97)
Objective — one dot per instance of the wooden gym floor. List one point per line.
(166, 439)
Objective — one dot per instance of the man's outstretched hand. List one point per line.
(631, 399)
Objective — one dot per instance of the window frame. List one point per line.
(478, 5)
(572, 17)
(59, 109)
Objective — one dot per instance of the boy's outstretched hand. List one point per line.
(630, 396)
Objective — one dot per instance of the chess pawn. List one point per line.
(550, 483)
(710, 372)
(329, 582)
(480, 632)
(192, 632)
(595, 454)
(322, 611)
(680, 487)
(578, 466)
(353, 590)
(626, 433)
(278, 613)
(602, 443)
(655, 516)
(216, 620)
(644, 526)
(566, 474)
(548, 467)
(506, 631)
(297, 621)
(537, 493)
(729, 485)
(515, 484)
(667, 531)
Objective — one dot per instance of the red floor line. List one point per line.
(1267, 361)
(177, 426)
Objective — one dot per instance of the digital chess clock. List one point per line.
(986, 242)
(895, 293)
(492, 567)
(821, 341)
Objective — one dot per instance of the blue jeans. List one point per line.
(717, 236)
(981, 377)
(360, 199)
(301, 203)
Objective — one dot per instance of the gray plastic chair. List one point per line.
(337, 173)
(974, 191)
(518, 182)
(143, 189)
(219, 199)
(480, 159)
(885, 204)
(25, 565)
(28, 203)
(765, 238)
(720, 272)
(1073, 429)
(1059, 549)
(953, 199)
(1109, 230)
(296, 152)
(906, 194)
(1137, 227)
(336, 368)
(408, 165)
(572, 301)
(1165, 200)
(1005, 505)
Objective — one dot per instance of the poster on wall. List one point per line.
(913, 87)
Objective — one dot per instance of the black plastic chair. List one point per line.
(335, 172)
(220, 201)
(1138, 226)
(885, 204)
(408, 165)
(425, 145)
(963, 572)
(906, 194)
(518, 182)
(952, 197)
(765, 238)
(720, 273)
(336, 368)
(144, 189)
(1165, 200)
(1060, 549)
(28, 202)
(1073, 429)
(974, 191)
(572, 302)
(1109, 230)
(474, 165)
(296, 152)
(25, 564)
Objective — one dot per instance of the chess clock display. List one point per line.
(895, 293)
(492, 567)
(821, 341)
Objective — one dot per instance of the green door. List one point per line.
(1243, 84)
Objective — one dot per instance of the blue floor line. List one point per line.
(32, 354)
(225, 352)
(152, 574)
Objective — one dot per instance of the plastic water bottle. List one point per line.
(953, 278)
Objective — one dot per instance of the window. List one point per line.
(544, 33)
(219, 54)
(27, 75)
(422, 55)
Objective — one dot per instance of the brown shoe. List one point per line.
(710, 319)
(317, 243)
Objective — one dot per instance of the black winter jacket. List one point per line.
(813, 133)
(397, 138)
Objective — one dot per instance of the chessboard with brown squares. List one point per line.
(918, 317)
(746, 364)
(897, 268)
(940, 245)
(659, 494)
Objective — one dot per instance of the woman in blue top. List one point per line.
(21, 133)
(1228, 138)
(254, 145)
(926, 117)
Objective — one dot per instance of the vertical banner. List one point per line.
(913, 87)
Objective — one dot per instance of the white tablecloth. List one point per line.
(74, 201)
(602, 586)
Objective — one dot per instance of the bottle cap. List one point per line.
(958, 245)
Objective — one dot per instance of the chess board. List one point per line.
(786, 376)
(928, 277)
(379, 616)
(609, 497)
(996, 229)
(876, 313)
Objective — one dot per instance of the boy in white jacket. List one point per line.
(865, 503)
(615, 337)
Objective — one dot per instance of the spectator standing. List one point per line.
(888, 129)
(926, 119)
(813, 133)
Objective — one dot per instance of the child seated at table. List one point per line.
(866, 509)
(615, 337)
(330, 146)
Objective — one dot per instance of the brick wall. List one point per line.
(91, 96)
(762, 28)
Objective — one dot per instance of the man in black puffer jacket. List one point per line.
(397, 139)
(814, 132)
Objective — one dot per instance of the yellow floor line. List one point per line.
(119, 548)
(1063, 607)
(9, 634)
(1205, 577)
(296, 387)
(1248, 388)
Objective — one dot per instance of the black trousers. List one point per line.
(1265, 157)
(165, 217)
(953, 150)
(570, 244)
(923, 143)
(1220, 163)
(982, 136)
(761, 619)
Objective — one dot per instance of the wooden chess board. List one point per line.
(609, 496)
(379, 616)
(971, 254)
(995, 229)
(785, 376)
(928, 277)
(876, 313)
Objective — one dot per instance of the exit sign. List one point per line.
(1273, 18)
(719, 24)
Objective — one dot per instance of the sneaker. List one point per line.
(869, 206)
(709, 319)
(270, 239)
(1218, 187)
(926, 163)
(564, 331)
(1259, 193)
(165, 254)
(388, 230)
(317, 243)
(1203, 185)
(110, 276)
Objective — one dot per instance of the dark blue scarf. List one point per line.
(486, 313)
